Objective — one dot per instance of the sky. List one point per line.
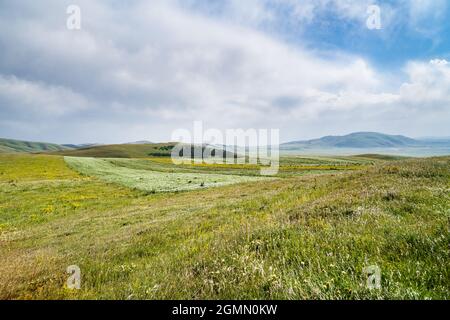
(139, 70)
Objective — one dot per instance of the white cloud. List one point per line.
(428, 87)
(439, 62)
(32, 99)
(420, 10)
(167, 66)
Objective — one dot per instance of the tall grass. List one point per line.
(306, 237)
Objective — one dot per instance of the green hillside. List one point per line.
(13, 146)
(356, 140)
(126, 151)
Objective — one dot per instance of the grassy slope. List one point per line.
(13, 146)
(299, 237)
(120, 151)
(123, 151)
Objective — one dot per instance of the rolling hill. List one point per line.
(15, 146)
(120, 151)
(357, 140)
(130, 150)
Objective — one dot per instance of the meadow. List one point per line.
(147, 179)
(308, 233)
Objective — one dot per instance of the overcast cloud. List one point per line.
(140, 69)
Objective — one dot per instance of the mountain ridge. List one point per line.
(358, 140)
(17, 146)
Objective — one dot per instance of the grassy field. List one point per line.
(289, 166)
(124, 173)
(306, 235)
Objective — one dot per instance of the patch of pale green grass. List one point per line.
(151, 181)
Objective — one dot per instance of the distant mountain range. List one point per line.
(14, 146)
(88, 145)
(358, 140)
(140, 142)
(353, 141)
(80, 146)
